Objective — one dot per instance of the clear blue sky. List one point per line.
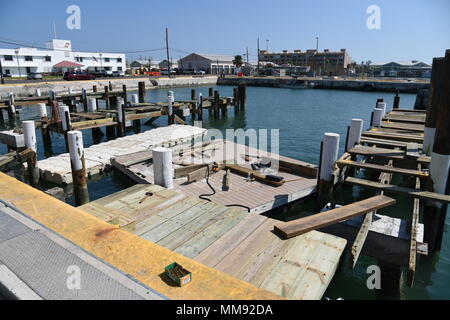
(410, 29)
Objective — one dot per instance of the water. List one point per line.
(303, 116)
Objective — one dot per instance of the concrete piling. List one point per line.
(29, 133)
(162, 167)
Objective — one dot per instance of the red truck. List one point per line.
(69, 76)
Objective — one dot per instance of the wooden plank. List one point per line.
(393, 136)
(384, 153)
(184, 171)
(388, 188)
(303, 225)
(202, 240)
(381, 168)
(414, 232)
(138, 116)
(403, 126)
(258, 176)
(361, 238)
(384, 143)
(198, 174)
(219, 249)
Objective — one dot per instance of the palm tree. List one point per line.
(238, 62)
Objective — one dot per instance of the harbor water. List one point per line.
(302, 117)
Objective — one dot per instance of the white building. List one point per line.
(21, 61)
(210, 63)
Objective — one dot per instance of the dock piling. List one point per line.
(141, 87)
(396, 100)
(76, 151)
(162, 167)
(216, 104)
(328, 156)
(377, 118)
(170, 111)
(120, 117)
(354, 133)
(29, 133)
(200, 107)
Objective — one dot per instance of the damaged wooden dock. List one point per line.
(232, 187)
(231, 240)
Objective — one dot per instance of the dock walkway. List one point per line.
(228, 239)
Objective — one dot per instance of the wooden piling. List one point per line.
(170, 111)
(193, 94)
(236, 100)
(216, 104)
(396, 100)
(120, 117)
(11, 108)
(200, 107)
(210, 92)
(84, 99)
(76, 151)
(242, 95)
(110, 86)
(162, 167)
(435, 212)
(436, 88)
(106, 97)
(94, 88)
(141, 87)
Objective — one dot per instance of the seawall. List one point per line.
(29, 89)
(337, 84)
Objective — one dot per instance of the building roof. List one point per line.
(215, 57)
(403, 63)
(67, 64)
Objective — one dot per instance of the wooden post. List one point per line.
(354, 133)
(435, 212)
(377, 117)
(436, 85)
(107, 97)
(141, 86)
(162, 167)
(236, 100)
(135, 98)
(210, 92)
(328, 156)
(170, 111)
(200, 107)
(29, 133)
(11, 108)
(46, 139)
(110, 86)
(94, 88)
(76, 151)
(64, 115)
(38, 92)
(84, 99)
(396, 100)
(120, 117)
(193, 94)
(2, 119)
(242, 96)
(216, 104)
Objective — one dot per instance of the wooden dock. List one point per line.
(257, 195)
(97, 157)
(231, 240)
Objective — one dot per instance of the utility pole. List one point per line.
(167, 50)
(258, 54)
(267, 44)
(1, 73)
(247, 55)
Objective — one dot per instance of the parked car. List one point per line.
(102, 73)
(69, 76)
(7, 75)
(166, 72)
(118, 74)
(199, 72)
(34, 76)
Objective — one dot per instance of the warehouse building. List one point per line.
(209, 63)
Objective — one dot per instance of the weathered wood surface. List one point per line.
(382, 168)
(388, 188)
(258, 196)
(393, 136)
(303, 225)
(228, 239)
(384, 153)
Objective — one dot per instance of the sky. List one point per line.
(409, 29)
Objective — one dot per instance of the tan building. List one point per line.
(324, 63)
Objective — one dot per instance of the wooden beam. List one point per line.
(393, 136)
(184, 171)
(381, 168)
(384, 153)
(258, 176)
(388, 188)
(303, 225)
(414, 232)
(198, 174)
(412, 150)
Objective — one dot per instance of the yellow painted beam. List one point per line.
(140, 258)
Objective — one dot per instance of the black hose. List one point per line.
(203, 196)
